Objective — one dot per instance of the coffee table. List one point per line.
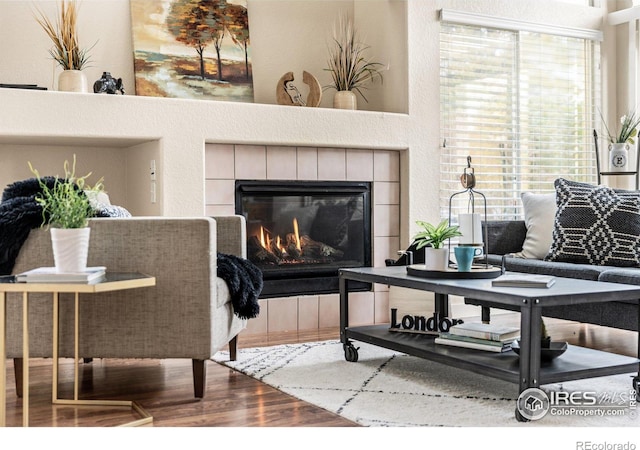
(113, 281)
(525, 370)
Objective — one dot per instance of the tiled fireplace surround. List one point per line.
(226, 163)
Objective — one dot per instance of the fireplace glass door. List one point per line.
(300, 233)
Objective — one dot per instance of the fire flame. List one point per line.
(263, 238)
(266, 240)
(296, 234)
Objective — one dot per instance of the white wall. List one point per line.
(286, 35)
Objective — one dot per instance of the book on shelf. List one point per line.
(494, 332)
(456, 337)
(526, 281)
(22, 86)
(486, 346)
(51, 275)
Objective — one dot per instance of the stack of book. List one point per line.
(51, 275)
(480, 336)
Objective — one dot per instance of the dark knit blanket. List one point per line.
(245, 284)
(19, 214)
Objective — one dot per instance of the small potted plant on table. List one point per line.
(66, 209)
(436, 257)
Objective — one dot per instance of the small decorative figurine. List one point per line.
(288, 94)
(107, 84)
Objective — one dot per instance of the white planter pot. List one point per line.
(73, 81)
(345, 100)
(436, 258)
(618, 157)
(70, 248)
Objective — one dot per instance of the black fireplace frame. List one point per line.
(322, 281)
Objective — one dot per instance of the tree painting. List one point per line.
(192, 49)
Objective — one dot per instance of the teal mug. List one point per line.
(465, 255)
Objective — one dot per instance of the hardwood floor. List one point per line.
(164, 387)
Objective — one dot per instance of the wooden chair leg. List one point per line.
(233, 348)
(199, 377)
(17, 371)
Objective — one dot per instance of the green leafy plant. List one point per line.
(628, 130)
(64, 34)
(65, 203)
(435, 235)
(350, 69)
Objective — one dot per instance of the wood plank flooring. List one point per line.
(164, 387)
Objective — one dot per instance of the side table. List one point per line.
(113, 281)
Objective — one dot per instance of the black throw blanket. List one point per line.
(19, 214)
(245, 284)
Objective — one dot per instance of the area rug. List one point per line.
(390, 389)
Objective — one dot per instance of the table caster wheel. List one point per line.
(350, 353)
(636, 385)
(520, 417)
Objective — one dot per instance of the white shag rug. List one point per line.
(387, 388)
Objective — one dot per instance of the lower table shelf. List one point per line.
(576, 363)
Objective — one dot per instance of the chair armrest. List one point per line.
(231, 235)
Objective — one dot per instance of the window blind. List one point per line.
(522, 105)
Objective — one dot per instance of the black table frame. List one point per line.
(526, 370)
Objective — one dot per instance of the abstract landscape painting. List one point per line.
(196, 49)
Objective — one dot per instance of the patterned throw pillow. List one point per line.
(595, 225)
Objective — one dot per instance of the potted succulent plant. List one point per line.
(350, 69)
(436, 257)
(66, 210)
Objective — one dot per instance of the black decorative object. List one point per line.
(108, 85)
(554, 350)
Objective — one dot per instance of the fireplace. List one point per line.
(299, 233)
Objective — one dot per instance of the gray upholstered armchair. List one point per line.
(188, 314)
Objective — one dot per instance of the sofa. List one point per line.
(580, 231)
(187, 314)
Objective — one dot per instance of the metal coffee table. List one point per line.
(526, 370)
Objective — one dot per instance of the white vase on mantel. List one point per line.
(345, 100)
(72, 81)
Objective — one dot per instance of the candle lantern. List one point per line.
(470, 223)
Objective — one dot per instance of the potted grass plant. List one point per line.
(66, 50)
(350, 69)
(433, 237)
(66, 209)
(621, 140)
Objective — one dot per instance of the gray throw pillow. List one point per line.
(595, 225)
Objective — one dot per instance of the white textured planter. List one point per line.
(345, 100)
(73, 81)
(618, 157)
(436, 258)
(70, 248)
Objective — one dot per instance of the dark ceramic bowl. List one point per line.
(547, 354)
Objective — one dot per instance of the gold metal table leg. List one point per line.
(145, 418)
(3, 360)
(25, 359)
